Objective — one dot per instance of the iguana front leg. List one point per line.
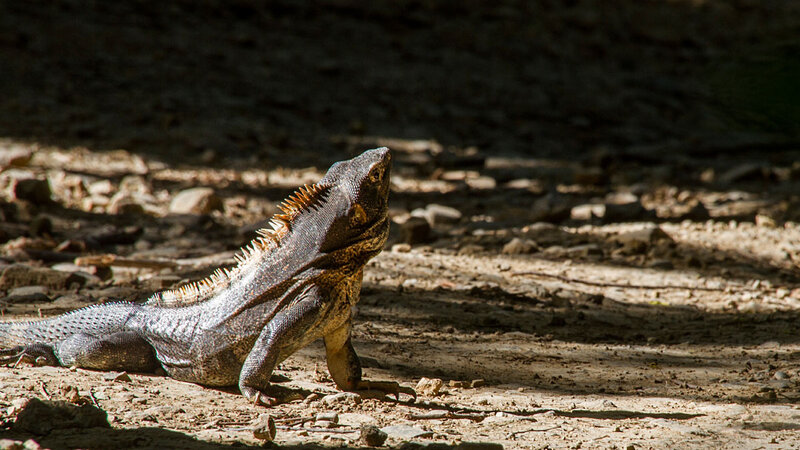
(345, 368)
(282, 331)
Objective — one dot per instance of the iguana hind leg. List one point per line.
(345, 368)
(117, 351)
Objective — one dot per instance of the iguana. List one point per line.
(295, 283)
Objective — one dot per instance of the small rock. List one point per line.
(481, 183)
(22, 275)
(33, 190)
(27, 294)
(456, 384)
(470, 249)
(30, 444)
(638, 241)
(324, 424)
(765, 221)
(781, 375)
(12, 155)
(342, 398)
(415, 230)
(332, 417)
(429, 386)
(518, 246)
(201, 200)
(9, 444)
(405, 432)
(43, 416)
(121, 376)
(372, 436)
(264, 428)
(438, 214)
(401, 248)
(477, 383)
(125, 203)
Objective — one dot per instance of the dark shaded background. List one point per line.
(282, 82)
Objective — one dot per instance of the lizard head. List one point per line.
(362, 185)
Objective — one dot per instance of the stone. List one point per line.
(200, 200)
(125, 203)
(117, 376)
(479, 382)
(43, 416)
(27, 294)
(781, 375)
(17, 275)
(518, 246)
(437, 214)
(264, 428)
(342, 398)
(429, 386)
(10, 444)
(405, 432)
(372, 436)
(332, 417)
(639, 240)
(33, 190)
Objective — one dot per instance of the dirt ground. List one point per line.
(596, 237)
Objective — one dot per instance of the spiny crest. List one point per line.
(305, 198)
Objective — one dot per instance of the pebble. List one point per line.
(200, 200)
(470, 249)
(429, 386)
(264, 428)
(405, 432)
(372, 436)
(401, 248)
(14, 156)
(27, 294)
(117, 376)
(332, 417)
(781, 375)
(17, 275)
(518, 246)
(479, 446)
(125, 203)
(437, 214)
(639, 240)
(479, 382)
(342, 398)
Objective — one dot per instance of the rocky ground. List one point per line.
(595, 238)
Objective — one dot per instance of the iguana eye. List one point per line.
(375, 176)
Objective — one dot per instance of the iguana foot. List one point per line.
(370, 388)
(36, 354)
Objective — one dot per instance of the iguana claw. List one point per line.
(36, 354)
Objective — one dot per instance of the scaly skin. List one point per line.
(294, 285)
